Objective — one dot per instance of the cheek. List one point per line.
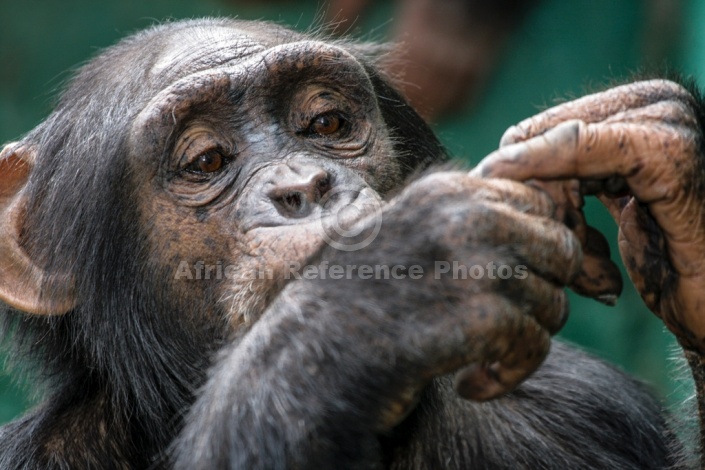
(384, 170)
(192, 253)
(177, 234)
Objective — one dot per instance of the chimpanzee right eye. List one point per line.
(326, 124)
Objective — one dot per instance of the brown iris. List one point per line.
(326, 124)
(208, 162)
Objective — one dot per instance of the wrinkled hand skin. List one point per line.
(499, 330)
(473, 222)
(639, 147)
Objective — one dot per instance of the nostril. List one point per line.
(297, 190)
(293, 202)
(323, 185)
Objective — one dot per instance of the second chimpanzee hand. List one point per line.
(640, 147)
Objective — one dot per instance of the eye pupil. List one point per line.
(326, 124)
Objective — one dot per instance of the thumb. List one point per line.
(642, 247)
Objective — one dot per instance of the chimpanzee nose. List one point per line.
(298, 188)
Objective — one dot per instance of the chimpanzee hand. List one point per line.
(500, 322)
(640, 147)
(360, 349)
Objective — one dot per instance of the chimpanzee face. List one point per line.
(242, 154)
(206, 160)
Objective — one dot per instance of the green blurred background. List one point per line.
(561, 50)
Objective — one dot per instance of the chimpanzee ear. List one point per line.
(23, 285)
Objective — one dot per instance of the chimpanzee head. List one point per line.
(152, 214)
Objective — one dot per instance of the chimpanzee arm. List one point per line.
(320, 406)
(574, 412)
(334, 364)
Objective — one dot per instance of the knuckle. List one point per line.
(512, 135)
(566, 251)
(558, 312)
(668, 89)
(441, 186)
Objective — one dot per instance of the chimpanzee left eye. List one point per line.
(208, 162)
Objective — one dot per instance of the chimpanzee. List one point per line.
(232, 245)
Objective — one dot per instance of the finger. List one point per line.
(568, 199)
(682, 315)
(612, 187)
(573, 149)
(642, 246)
(615, 206)
(598, 107)
(548, 301)
(454, 186)
(596, 243)
(521, 197)
(648, 157)
(543, 245)
(599, 278)
(613, 193)
(509, 353)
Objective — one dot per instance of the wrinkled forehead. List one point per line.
(225, 65)
(197, 49)
(244, 49)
